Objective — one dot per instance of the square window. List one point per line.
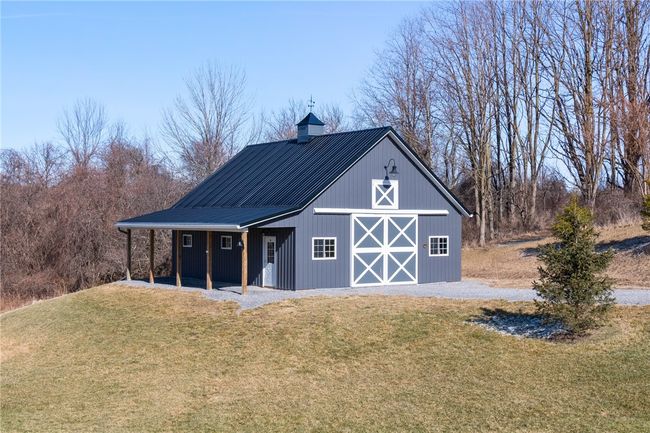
(226, 242)
(323, 248)
(385, 194)
(187, 241)
(438, 246)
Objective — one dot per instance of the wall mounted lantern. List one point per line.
(393, 171)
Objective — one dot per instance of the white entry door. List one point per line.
(384, 249)
(269, 272)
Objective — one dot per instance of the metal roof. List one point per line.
(282, 174)
(272, 179)
(227, 219)
(310, 119)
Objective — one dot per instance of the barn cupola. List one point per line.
(309, 127)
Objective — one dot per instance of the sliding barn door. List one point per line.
(384, 249)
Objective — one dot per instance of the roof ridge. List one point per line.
(322, 135)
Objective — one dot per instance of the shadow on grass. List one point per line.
(634, 245)
(519, 324)
(530, 252)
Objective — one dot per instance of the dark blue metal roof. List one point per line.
(266, 180)
(283, 173)
(197, 217)
(272, 179)
(310, 119)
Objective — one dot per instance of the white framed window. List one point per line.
(323, 248)
(226, 242)
(187, 241)
(438, 246)
(385, 194)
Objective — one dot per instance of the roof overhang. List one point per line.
(203, 219)
(182, 226)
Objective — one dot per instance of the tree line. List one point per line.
(514, 104)
(61, 198)
(506, 95)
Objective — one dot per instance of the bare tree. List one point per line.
(575, 57)
(399, 90)
(462, 49)
(58, 220)
(83, 128)
(211, 123)
(524, 113)
(633, 102)
(46, 163)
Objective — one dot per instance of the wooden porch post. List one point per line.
(128, 254)
(244, 263)
(179, 258)
(151, 258)
(208, 274)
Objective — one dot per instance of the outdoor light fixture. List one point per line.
(393, 172)
(240, 244)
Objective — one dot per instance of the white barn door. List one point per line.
(384, 249)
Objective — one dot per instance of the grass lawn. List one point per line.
(136, 360)
(514, 264)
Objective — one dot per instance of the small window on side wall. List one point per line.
(323, 249)
(187, 241)
(438, 246)
(226, 242)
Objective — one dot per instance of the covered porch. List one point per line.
(219, 247)
(198, 258)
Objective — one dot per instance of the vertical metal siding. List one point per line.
(285, 256)
(193, 258)
(353, 190)
(255, 257)
(438, 268)
(296, 269)
(226, 264)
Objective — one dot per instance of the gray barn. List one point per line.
(348, 209)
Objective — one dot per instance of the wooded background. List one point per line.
(515, 105)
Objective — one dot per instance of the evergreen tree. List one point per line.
(645, 211)
(570, 285)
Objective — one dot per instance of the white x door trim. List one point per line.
(383, 249)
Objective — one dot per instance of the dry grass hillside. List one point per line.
(117, 359)
(514, 263)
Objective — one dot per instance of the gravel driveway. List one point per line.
(258, 296)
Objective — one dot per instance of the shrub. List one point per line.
(570, 285)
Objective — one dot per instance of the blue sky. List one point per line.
(133, 57)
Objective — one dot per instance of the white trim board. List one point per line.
(347, 211)
(183, 226)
